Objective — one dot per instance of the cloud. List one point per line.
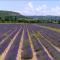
(55, 10)
(29, 9)
(30, 5)
(32, 10)
(43, 9)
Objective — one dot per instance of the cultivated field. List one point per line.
(29, 42)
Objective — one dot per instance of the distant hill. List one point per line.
(15, 17)
(9, 13)
(10, 16)
(45, 17)
(3, 14)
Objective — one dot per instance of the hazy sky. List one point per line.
(32, 7)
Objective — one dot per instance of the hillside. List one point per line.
(45, 17)
(9, 13)
(15, 17)
(4, 14)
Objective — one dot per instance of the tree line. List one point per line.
(23, 19)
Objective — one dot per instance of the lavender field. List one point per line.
(29, 41)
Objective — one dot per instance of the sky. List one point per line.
(32, 7)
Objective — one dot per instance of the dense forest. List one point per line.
(14, 17)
